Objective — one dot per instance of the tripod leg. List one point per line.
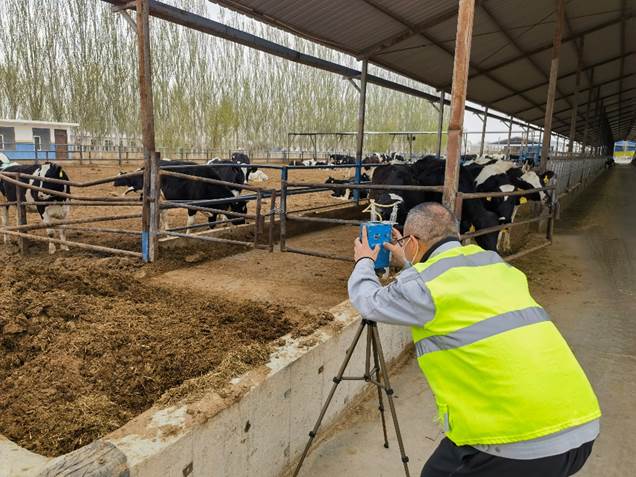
(373, 328)
(377, 379)
(336, 381)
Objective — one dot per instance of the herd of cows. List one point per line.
(483, 174)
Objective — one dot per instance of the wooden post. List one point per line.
(362, 105)
(440, 123)
(463, 40)
(554, 72)
(509, 135)
(483, 132)
(575, 106)
(150, 216)
(587, 111)
(21, 218)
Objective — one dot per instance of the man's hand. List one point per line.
(397, 252)
(361, 248)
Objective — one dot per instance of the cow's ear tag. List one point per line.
(489, 199)
(61, 173)
(472, 228)
(523, 200)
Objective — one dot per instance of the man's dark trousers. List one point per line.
(449, 460)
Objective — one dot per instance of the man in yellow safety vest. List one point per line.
(511, 397)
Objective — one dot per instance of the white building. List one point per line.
(27, 140)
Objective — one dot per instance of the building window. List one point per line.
(1, 142)
(37, 143)
(108, 145)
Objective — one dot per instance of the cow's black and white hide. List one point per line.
(50, 212)
(342, 159)
(181, 189)
(346, 194)
(494, 178)
(430, 171)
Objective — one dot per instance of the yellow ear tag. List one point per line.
(523, 200)
(61, 173)
(488, 199)
(471, 229)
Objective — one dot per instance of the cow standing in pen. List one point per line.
(58, 210)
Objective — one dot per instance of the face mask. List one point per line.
(417, 250)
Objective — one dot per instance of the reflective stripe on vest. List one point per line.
(480, 330)
(500, 370)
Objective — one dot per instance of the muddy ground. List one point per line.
(88, 343)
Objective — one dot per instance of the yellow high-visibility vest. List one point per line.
(500, 370)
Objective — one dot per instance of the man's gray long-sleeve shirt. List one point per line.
(406, 301)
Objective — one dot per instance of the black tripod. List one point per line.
(371, 375)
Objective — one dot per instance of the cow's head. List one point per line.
(388, 207)
(52, 171)
(133, 184)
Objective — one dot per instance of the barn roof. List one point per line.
(510, 56)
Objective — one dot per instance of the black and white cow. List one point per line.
(242, 158)
(179, 189)
(48, 213)
(428, 172)
(342, 159)
(345, 194)
(371, 159)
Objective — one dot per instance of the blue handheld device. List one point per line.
(379, 233)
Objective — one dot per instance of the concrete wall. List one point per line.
(260, 428)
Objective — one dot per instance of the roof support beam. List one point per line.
(622, 67)
(554, 71)
(409, 32)
(587, 112)
(440, 45)
(588, 70)
(604, 83)
(516, 44)
(440, 123)
(565, 110)
(548, 46)
(463, 42)
(483, 133)
(577, 86)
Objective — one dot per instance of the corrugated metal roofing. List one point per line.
(510, 54)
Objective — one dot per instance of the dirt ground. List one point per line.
(176, 218)
(87, 343)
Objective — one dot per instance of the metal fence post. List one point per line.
(362, 105)
(284, 174)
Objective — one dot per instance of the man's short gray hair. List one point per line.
(431, 221)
